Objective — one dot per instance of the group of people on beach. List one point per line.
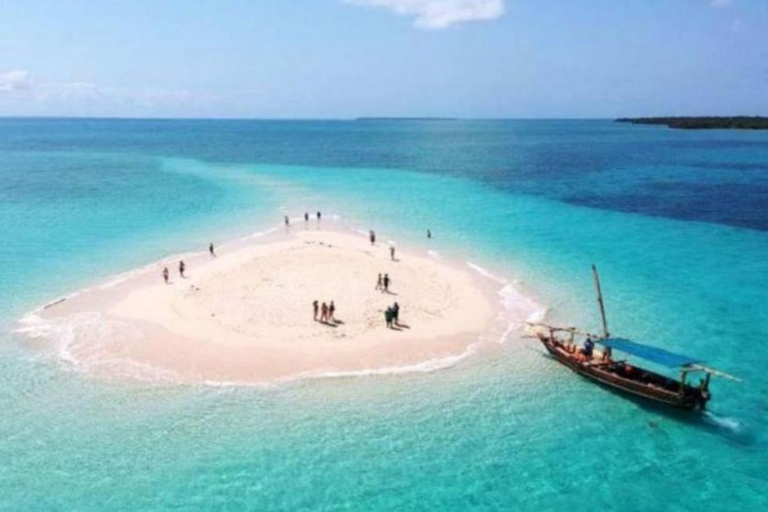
(326, 312)
(383, 283)
(372, 238)
(167, 274)
(183, 266)
(392, 316)
(287, 219)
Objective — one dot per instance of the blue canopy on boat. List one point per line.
(653, 354)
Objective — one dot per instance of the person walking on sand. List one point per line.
(392, 252)
(182, 268)
(315, 307)
(165, 275)
(396, 313)
(211, 250)
(386, 282)
(331, 311)
(324, 313)
(372, 236)
(379, 284)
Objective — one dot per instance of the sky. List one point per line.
(351, 58)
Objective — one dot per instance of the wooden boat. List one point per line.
(602, 367)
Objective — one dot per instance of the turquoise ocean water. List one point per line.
(677, 221)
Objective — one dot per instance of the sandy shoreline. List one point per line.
(246, 315)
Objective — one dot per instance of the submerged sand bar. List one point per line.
(246, 315)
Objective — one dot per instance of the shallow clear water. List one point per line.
(675, 220)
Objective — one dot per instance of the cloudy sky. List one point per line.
(348, 58)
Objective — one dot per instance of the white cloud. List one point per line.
(437, 14)
(721, 4)
(21, 88)
(14, 82)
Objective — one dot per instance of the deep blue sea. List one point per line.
(677, 222)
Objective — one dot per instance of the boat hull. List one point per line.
(691, 399)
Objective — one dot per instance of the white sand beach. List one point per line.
(246, 315)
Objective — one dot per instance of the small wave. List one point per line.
(486, 273)
(434, 255)
(429, 366)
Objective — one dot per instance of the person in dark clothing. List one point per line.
(372, 236)
(324, 313)
(388, 317)
(211, 250)
(386, 282)
(396, 313)
(316, 308)
(429, 233)
(306, 216)
(331, 311)
(287, 221)
(182, 268)
(319, 215)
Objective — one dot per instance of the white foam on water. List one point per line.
(724, 422)
(435, 255)
(486, 273)
(428, 366)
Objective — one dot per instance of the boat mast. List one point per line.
(600, 301)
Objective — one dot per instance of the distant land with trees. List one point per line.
(703, 123)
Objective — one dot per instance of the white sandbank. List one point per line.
(245, 316)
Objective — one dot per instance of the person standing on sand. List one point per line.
(166, 275)
(182, 268)
(315, 307)
(379, 284)
(324, 313)
(287, 221)
(392, 252)
(388, 317)
(306, 216)
(319, 215)
(331, 311)
(396, 313)
(386, 282)
(211, 250)
(372, 236)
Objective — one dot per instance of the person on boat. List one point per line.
(386, 282)
(392, 252)
(324, 313)
(182, 268)
(589, 347)
(166, 275)
(211, 250)
(379, 284)
(316, 308)
(331, 311)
